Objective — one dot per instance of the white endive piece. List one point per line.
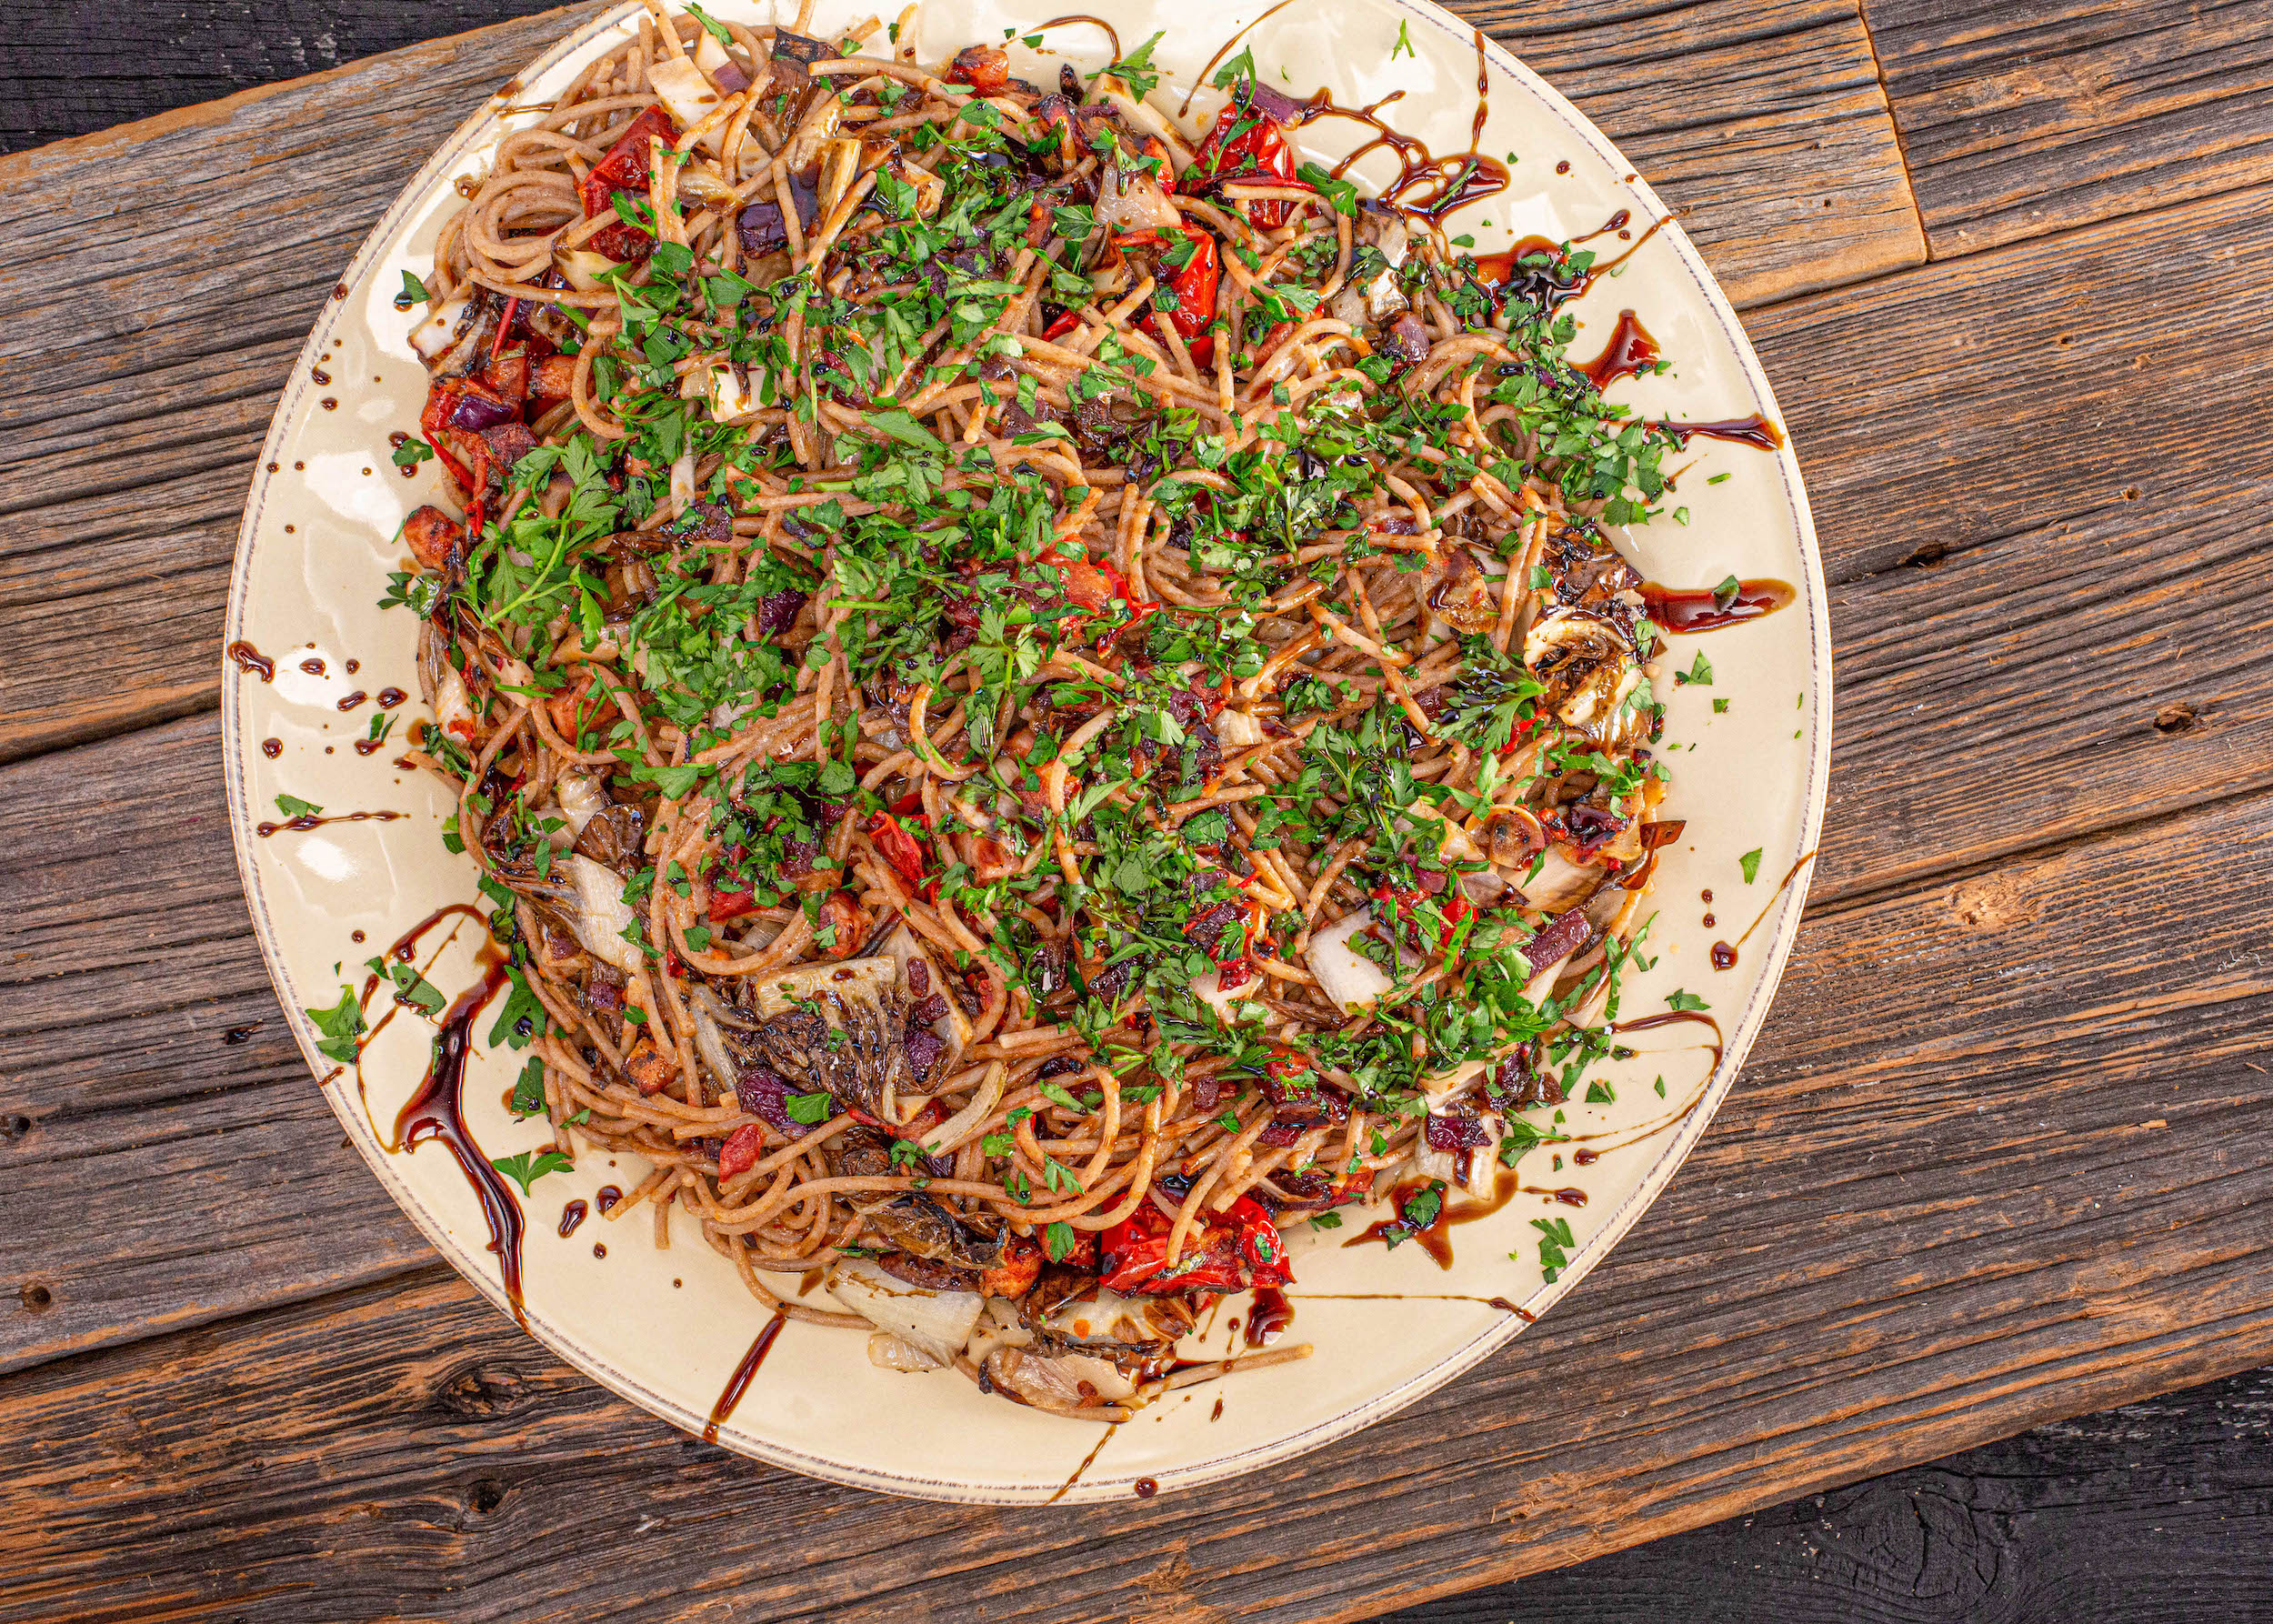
(686, 96)
(935, 1322)
(602, 913)
(1346, 977)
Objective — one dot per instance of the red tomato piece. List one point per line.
(740, 1152)
(624, 168)
(1248, 144)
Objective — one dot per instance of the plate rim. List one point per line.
(1787, 907)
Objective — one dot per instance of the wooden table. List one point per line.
(2010, 266)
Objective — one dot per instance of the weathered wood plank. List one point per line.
(1778, 207)
(1942, 1206)
(2071, 677)
(2030, 388)
(162, 316)
(170, 1175)
(224, 1206)
(2147, 1512)
(2025, 116)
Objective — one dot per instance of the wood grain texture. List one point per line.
(2142, 1514)
(162, 314)
(2039, 568)
(2020, 118)
(168, 1176)
(1945, 1203)
(122, 477)
(1778, 148)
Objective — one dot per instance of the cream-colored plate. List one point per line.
(667, 1328)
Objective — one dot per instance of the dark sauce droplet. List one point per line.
(1585, 1157)
(390, 697)
(570, 1216)
(608, 1197)
(1434, 1237)
(1630, 352)
(1270, 1319)
(272, 748)
(309, 821)
(313, 665)
(1146, 1488)
(1426, 187)
(599, 1248)
(1752, 430)
(739, 1382)
(251, 661)
(1549, 280)
(1724, 956)
(1682, 610)
(350, 701)
(1674, 1017)
(1563, 167)
(437, 1111)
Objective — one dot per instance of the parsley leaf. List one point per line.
(1341, 193)
(529, 1089)
(1750, 864)
(521, 1007)
(527, 1167)
(1137, 69)
(810, 1107)
(340, 1025)
(717, 30)
(1055, 1093)
(1239, 68)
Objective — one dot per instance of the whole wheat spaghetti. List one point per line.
(1040, 692)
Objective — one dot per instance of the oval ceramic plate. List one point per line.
(667, 1328)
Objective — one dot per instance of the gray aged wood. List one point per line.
(2024, 116)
